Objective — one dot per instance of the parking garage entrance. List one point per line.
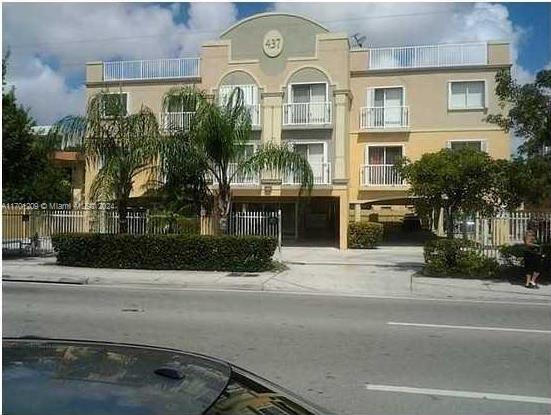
(306, 221)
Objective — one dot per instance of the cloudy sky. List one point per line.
(50, 43)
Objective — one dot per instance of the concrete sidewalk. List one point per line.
(387, 272)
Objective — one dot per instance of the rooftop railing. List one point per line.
(151, 69)
(430, 56)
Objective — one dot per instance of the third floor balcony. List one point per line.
(384, 117)
(307, 114)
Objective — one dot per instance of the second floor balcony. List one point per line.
(241, 178)
(380, 175)
(384, 117)
(322, 175)
(307, 114)
(173, 121)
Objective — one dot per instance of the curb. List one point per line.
(46, 280)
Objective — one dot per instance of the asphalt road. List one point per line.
(347, 354)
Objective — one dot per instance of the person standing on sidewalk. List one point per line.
(532, 257)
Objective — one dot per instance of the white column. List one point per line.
(341, 117)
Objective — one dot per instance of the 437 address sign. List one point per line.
(273, 43)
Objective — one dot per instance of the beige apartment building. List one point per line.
(351, 111)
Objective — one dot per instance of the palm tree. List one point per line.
(215, 138)
(120, 146)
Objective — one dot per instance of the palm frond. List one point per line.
(69, 132)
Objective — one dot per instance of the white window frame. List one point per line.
(290, 90)
(324, 143)
(452, 81)
(367, 146)
(257, 95)
(483, 142)
(370, 94)
(117, 93)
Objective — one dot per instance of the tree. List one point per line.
(120, 146)
(526, 112)
(461, 182)
(216, 139)
(29, 174)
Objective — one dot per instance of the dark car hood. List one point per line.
(63, 377)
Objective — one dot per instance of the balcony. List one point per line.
(242, 179)
(173, 121)
(430, 56)
(380, 175)
(151, 69)
(307, 113)
(384, 117)
(322, 175)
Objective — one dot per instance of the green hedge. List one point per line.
(190, 252)
(364, 234)
(457, 258)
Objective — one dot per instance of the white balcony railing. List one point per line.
(461, 54)
(151, 69)
(322, 175)
(172, 121)
(254, 110)
(307, 113)
(242, 179)
(380, 175)
(384, 117)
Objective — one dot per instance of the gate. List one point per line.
(261, 223)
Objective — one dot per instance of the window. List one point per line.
(309, 104)
(250, 99)
(467, 95)
(179, 104)
(316, 154)
(304, 93)
(250, 93)
(383, 155)
(386, 107)
(460, 144)
(115, 104)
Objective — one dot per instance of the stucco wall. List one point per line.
(426, 95)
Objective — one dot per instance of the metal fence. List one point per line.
(429, 56)
(29, 232)
(505, 229)
(151, 69)
(260, 223)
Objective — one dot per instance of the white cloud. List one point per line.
(418, 23)
(64, 36)
(47, 94)
(50, 42)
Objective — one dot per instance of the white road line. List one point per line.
(447, 326)
(459, 394)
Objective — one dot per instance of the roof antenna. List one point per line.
(358, 40)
